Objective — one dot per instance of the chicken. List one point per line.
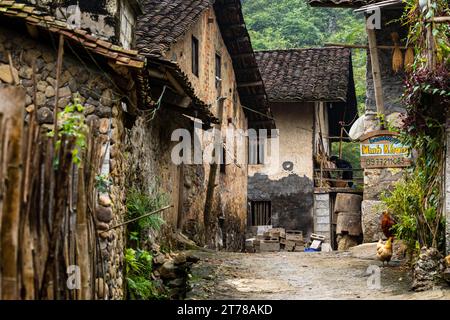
(384, 251)
(386, 224)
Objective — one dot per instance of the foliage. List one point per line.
(418, 20)
(286, 24)
(138, 262)
(417, 201)
(138, 268)
(102, 182)
(139, 203)
(71, 125)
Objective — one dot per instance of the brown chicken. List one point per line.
(387, 222)
(384, 251)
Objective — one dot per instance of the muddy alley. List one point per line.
(298, 276)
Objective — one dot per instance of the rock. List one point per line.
(427, 269)
(89, 109)
(44, 115)
(65, 92)
(91, 119)
(49, 92)
(346, 241)
(107, 98)
(168, 270)
(379, 181)
(349, 222)
(104, 125)
(63, 102)
(179, 259)
(365, 251)
(41, 86)
(40, 99)
(347, 202)
(26, 72)
(104, 235)
(104, 214)
(51, 81)
(30, 108)
(371, 211)
(104, 112)
(159, 259)
(179, 282)
(5, 74)
(29, 56)
(104, 200)
(48, 56)
(102, 226)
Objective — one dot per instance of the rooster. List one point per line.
(387, 222)
(384, 251)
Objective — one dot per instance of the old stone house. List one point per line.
(196, 43)
(310, 92)
(97, 67)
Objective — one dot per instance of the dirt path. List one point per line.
(290, 275)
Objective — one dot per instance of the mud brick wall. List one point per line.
(102, 106)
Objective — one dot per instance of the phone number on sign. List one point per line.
(385, 162)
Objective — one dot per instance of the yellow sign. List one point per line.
(383, 149)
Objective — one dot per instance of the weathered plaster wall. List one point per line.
(230, 193)
(102, 106)
(290, 191)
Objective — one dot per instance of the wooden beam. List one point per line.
(376, 73)
(440, 20)
(359, 46)
(250, 84)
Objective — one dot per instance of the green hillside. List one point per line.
(285, 24)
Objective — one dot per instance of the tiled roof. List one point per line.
(341, 3)
(164, 22)
(33, 16)
(317, 74)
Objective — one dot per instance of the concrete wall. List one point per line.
(291, 192)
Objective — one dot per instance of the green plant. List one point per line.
(102, 182)
(71, 125)
(139, 203)
(138, 268)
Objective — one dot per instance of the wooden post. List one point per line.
(12, 105)
(376, 73)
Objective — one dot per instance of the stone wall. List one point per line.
(230, 201)
(102, 106)
(377, 181)
(99, 17)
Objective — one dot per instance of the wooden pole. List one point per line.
(360, 46)
(12, 105)
(58, 75)
(376, 73)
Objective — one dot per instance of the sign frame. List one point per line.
(382, 156)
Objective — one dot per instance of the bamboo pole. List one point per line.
(360, 46)
(12, 105)
(82, 242)
(376, 73)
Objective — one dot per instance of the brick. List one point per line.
(322, 212)
(324, 220)
(269, 246)
(321, 227)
